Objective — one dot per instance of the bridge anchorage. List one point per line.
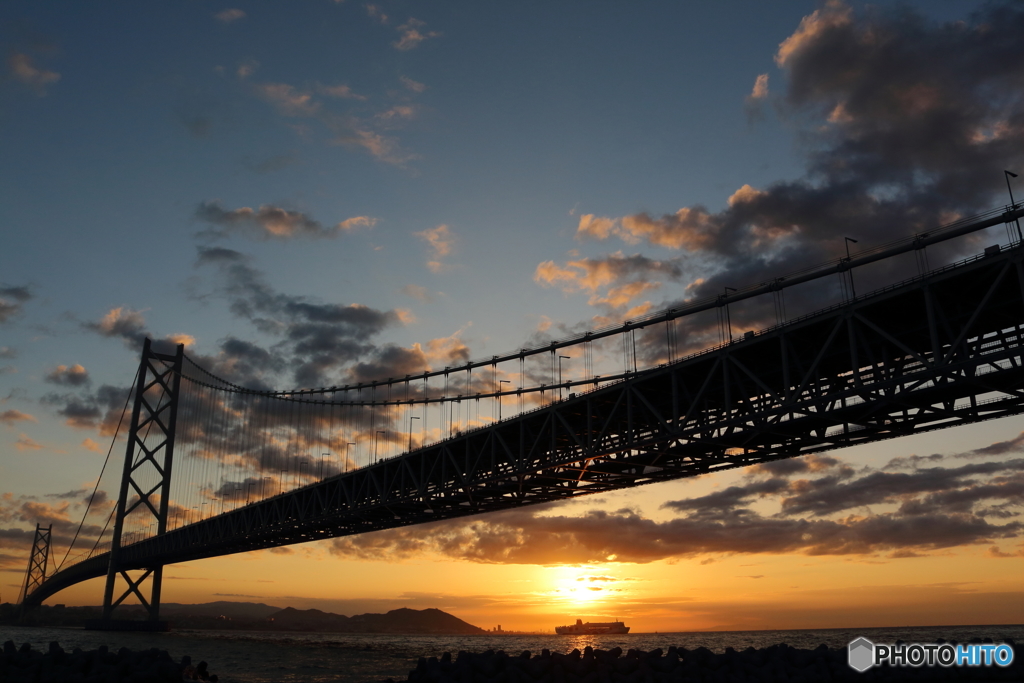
(259, 469)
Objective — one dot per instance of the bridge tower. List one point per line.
(145, 482)
(38, 560)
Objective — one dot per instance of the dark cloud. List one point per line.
(814, 505)
(10, 416)
(317, 339)
(100, 410)
(68, 376)
(907, 124)
(12, 300)
(271, 222)
(1014, 445)
(526, 537)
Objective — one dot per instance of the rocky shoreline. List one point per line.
(776, 663)
(96, 666)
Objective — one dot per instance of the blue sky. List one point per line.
(474, 174)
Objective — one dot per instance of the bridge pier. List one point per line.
(148, 461)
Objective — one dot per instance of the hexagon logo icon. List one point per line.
(861, 654)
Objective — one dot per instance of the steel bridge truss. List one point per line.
(38, 559)
(146, 480)
(941, 350)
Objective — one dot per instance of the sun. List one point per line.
(579, 586)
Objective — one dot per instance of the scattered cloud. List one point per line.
(814, 505)
(9, 417)
(412, 35)
(340, 91)
(412, 85)
(417, 292)
(12, 300)
(441, 241)
(229, 15)
(7, 352)
(68, 376)
(24, 70)
(24, 443)
(376, 13)
(90, 445)
(760, 90)
(901, 133)
(271, 222)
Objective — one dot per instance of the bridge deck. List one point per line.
(938, 351)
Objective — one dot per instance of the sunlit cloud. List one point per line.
(412, 35)
(271, 222)
(229, 15)
(9, 417)
(69, 376)
(23, 69)
(412, 85)
(24, 443)
(376, 13)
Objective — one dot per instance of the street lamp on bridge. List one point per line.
(411, 418)
(560, 375)
(500, 382)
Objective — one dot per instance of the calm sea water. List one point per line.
(261, 657)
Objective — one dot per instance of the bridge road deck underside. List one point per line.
(939, 351)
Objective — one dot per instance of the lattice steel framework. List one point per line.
(148, 461)
(940, 350)
(38, 560)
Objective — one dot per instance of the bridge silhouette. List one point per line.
(258, 469)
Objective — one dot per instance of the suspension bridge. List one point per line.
(212, 468)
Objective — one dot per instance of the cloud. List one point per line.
(376, 13)
(340, 91)
(122, 323)
(7, 352)
(229, 15)
(317, 338)
(23, 69)
(100, 410)
(9, 417)
(412, 36)
(68, 376)
(906, 122)
(760, 90)
(24, 443)
(441, 241)
(412, 85)
(287, 99)
(271, 222)
(380, 146)
(11, 302)
(417, 292)
(814, 505)
(624, 278)
(90, 445)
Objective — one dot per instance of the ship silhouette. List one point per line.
(592, 629)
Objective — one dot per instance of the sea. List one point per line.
(268, 657)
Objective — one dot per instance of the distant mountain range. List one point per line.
(257, 616)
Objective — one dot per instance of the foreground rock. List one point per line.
(777, 663)
(96, 666)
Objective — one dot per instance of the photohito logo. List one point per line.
(862, 654)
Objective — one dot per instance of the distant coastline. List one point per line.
(249, 616)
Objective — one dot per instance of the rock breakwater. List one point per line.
(776, 663)
(96, 666)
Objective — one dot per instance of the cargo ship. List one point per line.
(589, 629)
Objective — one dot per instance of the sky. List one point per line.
(327, 192)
